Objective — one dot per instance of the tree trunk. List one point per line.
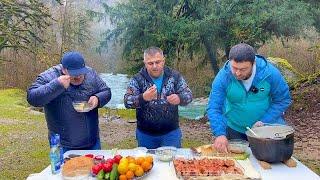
(227, 51)
(63, 28)
(211, 50)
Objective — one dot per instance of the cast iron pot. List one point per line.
(273, 144)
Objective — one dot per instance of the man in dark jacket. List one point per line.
(56, 89)
(155, 92)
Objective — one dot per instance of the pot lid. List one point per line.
(271, 131)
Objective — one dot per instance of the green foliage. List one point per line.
(74, 27)
(21, 23)
(156, 26)
(310, 79)
(315, 11)
(192, 26)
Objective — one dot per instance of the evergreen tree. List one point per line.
(193, 26)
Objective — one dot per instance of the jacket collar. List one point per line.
(166, 73)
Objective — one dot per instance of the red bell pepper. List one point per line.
(117, 158)
(96, 168)
(89, 155)
(107, 167)
(110, 160)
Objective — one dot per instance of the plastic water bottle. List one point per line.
(55, 154)
(60, 148)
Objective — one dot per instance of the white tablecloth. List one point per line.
(165, 170)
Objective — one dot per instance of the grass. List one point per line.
(23, 150)
(14, 105)
(127, 143)
(126, 114)
(188, 143)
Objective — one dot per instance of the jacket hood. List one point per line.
(261, 64)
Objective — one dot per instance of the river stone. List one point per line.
(285, 68)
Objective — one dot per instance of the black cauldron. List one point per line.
(274, 143)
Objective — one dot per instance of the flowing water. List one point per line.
(118, 84)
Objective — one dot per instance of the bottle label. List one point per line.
(55, 159)
(55, 167)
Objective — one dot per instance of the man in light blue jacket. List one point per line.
(248, 91)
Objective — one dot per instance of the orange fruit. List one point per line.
(146, 166)
(139, 171)
(130, 174)
(149, 159)
(139, 160)
(122, 177)
(132, 166)
(124, 160)
(131, 159)
(123, 168)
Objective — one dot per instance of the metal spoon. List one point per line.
(252, 132)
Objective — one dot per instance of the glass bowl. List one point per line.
(238, 146)
(81, 106)
(166, 153)
(140, 151)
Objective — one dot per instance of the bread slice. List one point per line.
(77, 166)
(209, 150)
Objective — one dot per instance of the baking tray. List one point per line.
(208, 168)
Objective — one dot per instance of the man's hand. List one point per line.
(173, 99)
(93, 102)
(258, 124)
(64, 80)
(150, 93)
(221, 144)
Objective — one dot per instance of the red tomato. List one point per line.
(107, 167)
(117, 158)
(96, 168)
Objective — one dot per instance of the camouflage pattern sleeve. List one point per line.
(183, 92)
(133, 97)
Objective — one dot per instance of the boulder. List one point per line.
(290, 74)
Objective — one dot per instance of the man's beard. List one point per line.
(247, 77)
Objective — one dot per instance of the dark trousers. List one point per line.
(232, 134)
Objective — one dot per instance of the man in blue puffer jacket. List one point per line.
(155, 92)
(248, 91)
(57, 88)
